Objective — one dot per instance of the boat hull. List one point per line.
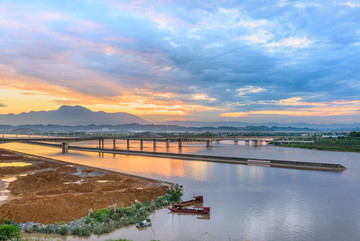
(190, 210)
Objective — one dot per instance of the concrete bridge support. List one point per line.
(208, 143)
(141, 144)
(236, 142)
(65, 147)
(167, 143)
(154, 143)
(180, 143)
(256, 142)
(101, 143)
(128, 144)
(114, 143)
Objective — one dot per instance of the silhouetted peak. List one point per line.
(76, 108)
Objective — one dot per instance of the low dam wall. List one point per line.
(222, 159)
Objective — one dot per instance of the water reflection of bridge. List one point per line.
(256, 141)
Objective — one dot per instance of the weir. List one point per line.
(224, 159)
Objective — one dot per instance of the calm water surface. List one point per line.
(247, 202)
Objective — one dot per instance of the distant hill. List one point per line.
(149, 128)
(71, 115)
(333, 126)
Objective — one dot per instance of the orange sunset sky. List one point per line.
(176, 60)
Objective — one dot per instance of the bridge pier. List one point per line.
(101, 143)
(247, 142)
(154, 143)
(256, 142)
(114, 143)
(208, 143)
(141, 144)
(65, 147)
(236, 142)
(167, 143)
(128, 144)
(180, 143)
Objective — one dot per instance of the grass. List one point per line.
(347, 144)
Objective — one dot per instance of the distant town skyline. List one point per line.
(251, 61)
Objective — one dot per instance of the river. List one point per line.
(247, 202)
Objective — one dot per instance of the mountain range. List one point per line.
(78, 115)
(71, 115)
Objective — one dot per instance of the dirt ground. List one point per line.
(57, 191)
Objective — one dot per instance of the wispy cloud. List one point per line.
(179, 57)
(249, 90)
(352, 4)
(314, 109)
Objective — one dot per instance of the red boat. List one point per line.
(194, 200)
(197, 210)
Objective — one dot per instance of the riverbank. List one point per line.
(46, 191)
(321, 147)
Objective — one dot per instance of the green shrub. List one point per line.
(84, 232)
(89, 220)
(63, 230)
(8, 232)
(115, 216)
(102, 215)
(98, 229)
(75, 231)
(158, 203)
(8, 222)
(48, 229)
(147, 202)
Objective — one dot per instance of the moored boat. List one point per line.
(194, 200)
(196, 210)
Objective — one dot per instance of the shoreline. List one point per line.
(320, 148)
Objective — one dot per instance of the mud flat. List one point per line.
(46, 191)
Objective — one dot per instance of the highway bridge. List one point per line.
(63, 142)
(101, 139)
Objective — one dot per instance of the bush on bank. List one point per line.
(106, 220)
(9, 231)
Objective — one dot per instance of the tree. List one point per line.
(354, 134)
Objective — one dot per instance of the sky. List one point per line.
(249, 60)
